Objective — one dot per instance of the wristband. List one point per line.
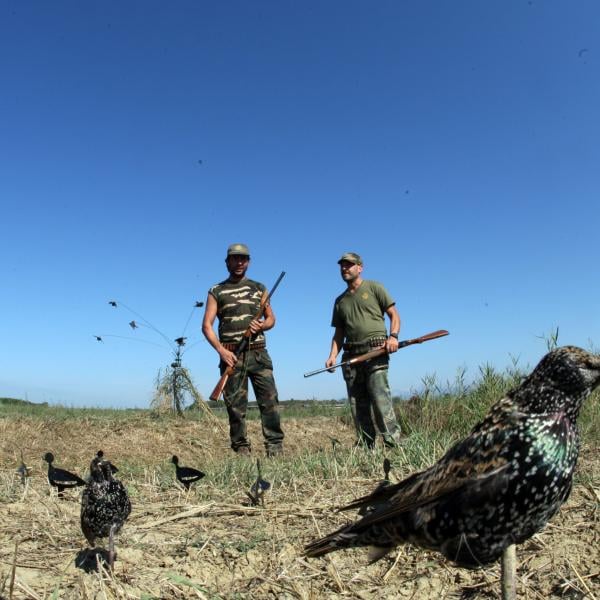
(394, 335)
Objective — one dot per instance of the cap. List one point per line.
(238, 249)
(351, 257)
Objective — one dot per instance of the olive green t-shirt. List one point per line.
(361, 314)
(237, 304)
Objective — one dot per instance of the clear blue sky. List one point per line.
(454, 145)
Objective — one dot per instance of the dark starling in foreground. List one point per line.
(59, 478)
(105, 506)
(186, 475)
(493, 489)
(259, 487)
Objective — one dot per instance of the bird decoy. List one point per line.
(180, 341)
(186, 475)
(59, 478)
(113, 468)
(258, 488)
(387, 466)
(24, 471)
(493, 489)
(105, 506)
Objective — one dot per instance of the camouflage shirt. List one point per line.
(237, 304)
(360, 314)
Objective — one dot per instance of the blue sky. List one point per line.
(454, 145)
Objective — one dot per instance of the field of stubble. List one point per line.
(209, 543)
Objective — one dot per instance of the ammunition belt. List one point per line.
(251, 346)
(364, 346)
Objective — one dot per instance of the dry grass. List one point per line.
(209, 543)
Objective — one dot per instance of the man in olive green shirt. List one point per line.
(358, 318)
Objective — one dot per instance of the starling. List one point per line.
(498, 486)
(59, 478)
(186, 475)
(259, 487)
(105, 506)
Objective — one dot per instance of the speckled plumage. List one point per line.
(105, 504)
(498, 486)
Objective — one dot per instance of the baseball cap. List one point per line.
(351, 257)
(238, 249)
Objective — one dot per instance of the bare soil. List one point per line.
(209, 543)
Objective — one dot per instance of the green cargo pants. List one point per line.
(255, 365)
(371, 401)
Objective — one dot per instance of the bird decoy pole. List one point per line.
(508, 572)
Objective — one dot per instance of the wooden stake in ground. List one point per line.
(509, 572)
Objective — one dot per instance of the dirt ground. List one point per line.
(209, 543)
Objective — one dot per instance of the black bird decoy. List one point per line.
(258, 488)
(59, 478)
(186, 475)
(180, 341)
(112, 303)
(385, 482)
(113, 468)
(498, 486)
(105, 506)
(24, 471)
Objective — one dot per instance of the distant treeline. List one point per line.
(18, 402)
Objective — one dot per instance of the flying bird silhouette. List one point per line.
(133, 325)
(105, 506)
(495, 488)
(199, 304)
(180, 341)
(112, 303)
(99, 338)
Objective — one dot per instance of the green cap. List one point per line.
(238, 250)
(351, 257)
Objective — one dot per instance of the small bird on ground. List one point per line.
(186, 475)
(59, 478)
(495, 488)
(385, 482)
(259, 487)
(24, 471)
(105, 506)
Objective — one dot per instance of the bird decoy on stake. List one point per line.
(23, 471)
(385, 482)
(59, 478)
(495, 488)
(105, 506)
(186, 475)
(259, 487)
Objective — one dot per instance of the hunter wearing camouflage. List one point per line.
(360, 327)
(236, 301)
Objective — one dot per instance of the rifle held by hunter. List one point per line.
(379, 351)
(245, 341)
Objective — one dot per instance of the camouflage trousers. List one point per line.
(256, 366)
(371, 401)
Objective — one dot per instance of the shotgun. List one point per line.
(245, 341)
(379, 351)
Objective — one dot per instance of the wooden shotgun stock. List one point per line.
(245, 341)
(379, 351)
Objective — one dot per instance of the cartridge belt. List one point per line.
(231, 346)
(364, 346)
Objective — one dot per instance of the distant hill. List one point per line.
(17, 402)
